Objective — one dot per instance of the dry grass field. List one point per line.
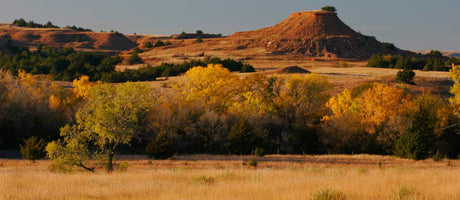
(231, 177)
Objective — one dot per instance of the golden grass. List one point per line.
(226, 177)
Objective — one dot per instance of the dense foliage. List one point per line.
(211, 110)
(65, 64)
(434, 63)
(62, 64)
(31, 24)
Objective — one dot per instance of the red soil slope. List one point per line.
(314, 33)
(66, 38)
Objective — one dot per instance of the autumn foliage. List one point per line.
(211, 110)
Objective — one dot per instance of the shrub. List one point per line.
(162, 147)
(123, 166)
(199, 40)
(134, 59)
(343, 64)
(329, 195)
(167, 43)
(329, 8)
(159, 43)
(253, 162)
(203, 179)
(435, 53)
(247, 68)
(148, 45)
(405, 76)
(405, 192)
(259, 152)
(33, 148)
(412, 144)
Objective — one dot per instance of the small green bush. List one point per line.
(123, 166)
(203, 179)
(134, 59)
(405, 76)
(259, 152)
(247, 68)
(253, 162)
(199, 40)
(33, 148)
(162, 147)
(148, 45)
(329, 195)
(159, 43)
(167, 43)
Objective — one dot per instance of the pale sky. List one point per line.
(409, 24)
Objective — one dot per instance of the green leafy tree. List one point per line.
(33, 148)
(134, 59)
(329, 8)
(241, 138)
(148, 45)
(159, 43)
(112, 116)
(406, 76)
(412, 144)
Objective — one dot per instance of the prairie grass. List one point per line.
(224, 177)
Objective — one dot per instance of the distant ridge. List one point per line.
(315, 33)
(62, 37)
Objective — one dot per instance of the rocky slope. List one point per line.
(314, 33)
(29, 37)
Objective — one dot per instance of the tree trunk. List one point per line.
(110, 162)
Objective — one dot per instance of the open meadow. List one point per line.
(235, 177)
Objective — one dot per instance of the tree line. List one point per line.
(66, 64)
(213, 111)
(31, 24)
(434, 62)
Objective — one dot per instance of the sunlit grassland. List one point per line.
(231, 177)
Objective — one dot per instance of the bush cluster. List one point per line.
(31, 24)
(66, 64)
(415, 63)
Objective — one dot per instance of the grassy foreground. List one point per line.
(231, 177)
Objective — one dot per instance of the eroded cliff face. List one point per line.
(27, 37)
(314, 33)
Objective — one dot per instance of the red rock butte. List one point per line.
(314, 33)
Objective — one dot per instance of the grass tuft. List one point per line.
(329, 195)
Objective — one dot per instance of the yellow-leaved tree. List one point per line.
(303, 99)
(454, 74)
(213, 86)
(343, 129)
(380, 104)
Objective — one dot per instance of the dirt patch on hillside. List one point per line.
(29, 37)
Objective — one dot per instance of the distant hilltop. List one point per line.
(315, 33)
(64, 37)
